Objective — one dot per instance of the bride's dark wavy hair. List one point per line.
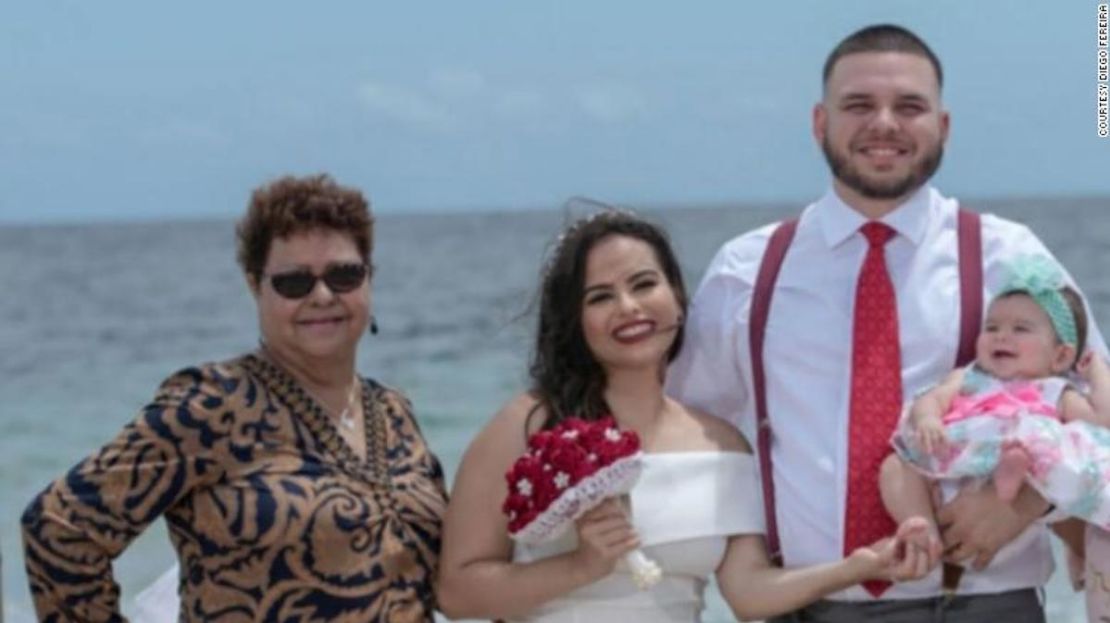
(566, 379)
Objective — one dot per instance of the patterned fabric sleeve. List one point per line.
(415, 444)
(410, 547)
(83, 520)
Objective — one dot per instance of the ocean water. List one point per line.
(93, 317)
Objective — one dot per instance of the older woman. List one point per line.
(294, 490)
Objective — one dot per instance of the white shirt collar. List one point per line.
(839, 221)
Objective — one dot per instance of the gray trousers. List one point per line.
(1020, 606)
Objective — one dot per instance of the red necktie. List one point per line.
(876, 398)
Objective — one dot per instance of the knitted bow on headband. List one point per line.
(1041, 279)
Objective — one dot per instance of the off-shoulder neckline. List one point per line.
(672, 453)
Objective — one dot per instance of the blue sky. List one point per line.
(137, 110)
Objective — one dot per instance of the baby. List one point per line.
(1013, 415)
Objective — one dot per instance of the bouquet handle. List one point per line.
(645, 571)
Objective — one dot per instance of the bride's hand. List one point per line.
(910, 554)
(604, 536)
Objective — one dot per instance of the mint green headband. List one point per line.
(1041, 279)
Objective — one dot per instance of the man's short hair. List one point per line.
(882, 38)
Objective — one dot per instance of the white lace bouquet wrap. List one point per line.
(568, 471)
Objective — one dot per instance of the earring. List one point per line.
(373, 325)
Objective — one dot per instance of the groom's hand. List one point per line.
(976, 524)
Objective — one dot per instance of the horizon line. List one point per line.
(459, 210)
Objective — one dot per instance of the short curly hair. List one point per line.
(291, 205)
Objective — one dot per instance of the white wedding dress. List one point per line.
(684, 508)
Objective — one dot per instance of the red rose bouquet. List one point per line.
(567, 471)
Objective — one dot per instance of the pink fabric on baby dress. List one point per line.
(981, 417)
(1070, 461)
(1007, 402)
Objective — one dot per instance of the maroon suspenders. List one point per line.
(971, 284)
(757, 323)
(971, 305)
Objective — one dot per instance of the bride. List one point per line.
(610, 319)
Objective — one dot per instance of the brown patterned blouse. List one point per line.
(273, 516)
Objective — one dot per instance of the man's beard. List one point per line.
(851, 177)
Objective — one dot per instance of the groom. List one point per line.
(866, 313)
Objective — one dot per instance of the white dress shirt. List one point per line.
(807, 355)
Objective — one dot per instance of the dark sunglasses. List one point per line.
(339, 278)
